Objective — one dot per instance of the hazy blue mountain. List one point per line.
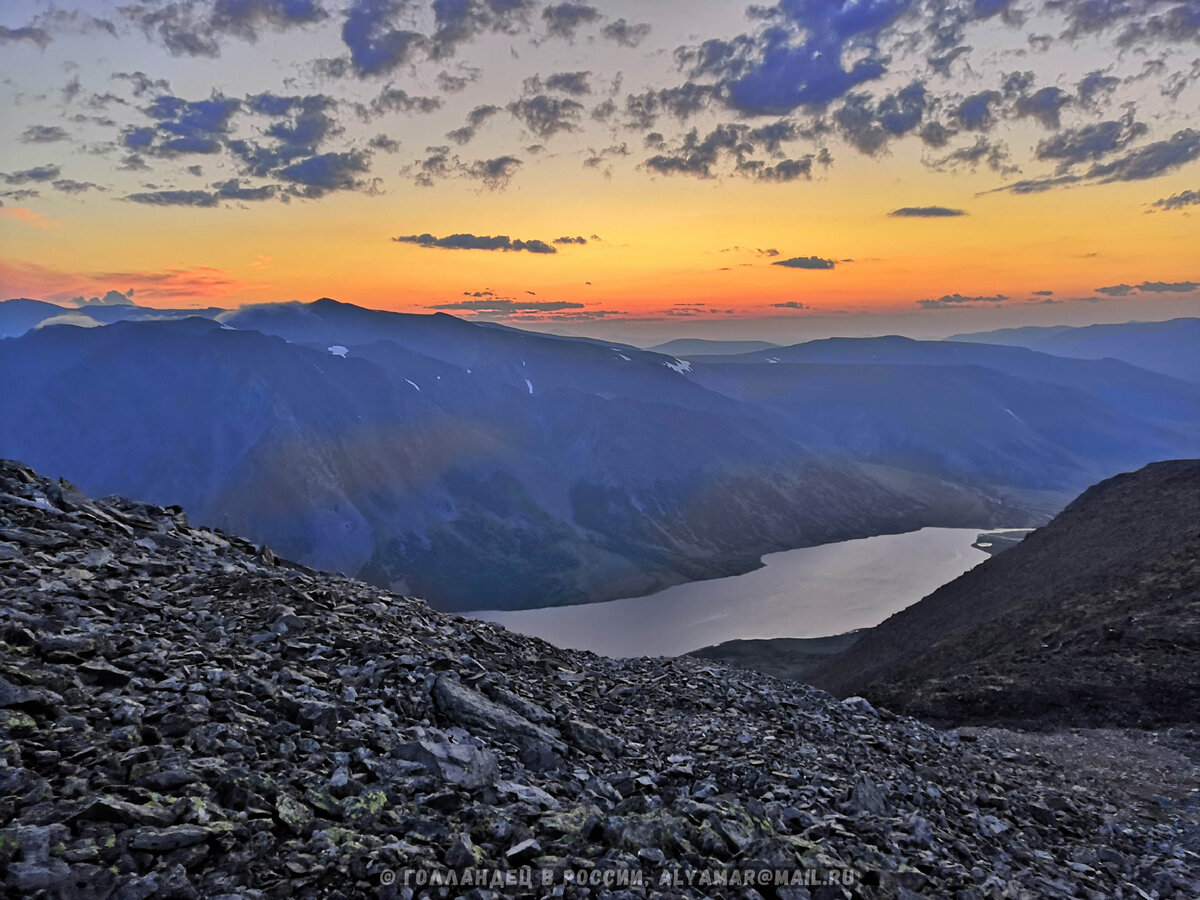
(707, 347)
(1171, 348)
(476, 464)
(19, 315)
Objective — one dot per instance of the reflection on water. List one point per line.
(812, 592)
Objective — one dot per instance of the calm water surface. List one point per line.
(812, 592)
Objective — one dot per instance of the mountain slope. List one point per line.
(181, 716)
(517, 481)
(1170, 348)
(484, 465)
(1093, 619)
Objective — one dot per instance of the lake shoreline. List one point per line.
(808, 592)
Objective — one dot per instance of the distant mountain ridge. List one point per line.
(1091, 620)
(484, 465)
(1170, 348)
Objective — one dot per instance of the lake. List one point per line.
(810, 592)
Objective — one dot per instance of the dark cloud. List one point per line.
(569, 240)
(179, 27)
(801, 57)
(189, 28)
(1036, 185)
(701, 156)
(1179, 201)
(1094, 86)
(141, 83)
(1151, 160)
(596, 158)
(36, 174)
(993, 154)
(1088, 143)
(806, 262)
(868, 126)
(71, 186)
(475, 242)
(20, 195)
(457, 21)
(504, 305)
(376, 47)
(574, 83)
(174, 198)
(1043, 105)
(1115, 290)
(475, 120)
(1168, 287)
(327, 172)
(1042, 293)
(494, 173)
(384, 143)
(183, 126)
(563, 19)
(957, 300)
(393, 99)
(926, 212)
(245, 17)
(791, 304)
(935, 134)
(294, 151)
(642, 110)
(546, 116)
(233, 189)
(34, 35)
(976, 113)
(43, 134)
(624, 33)
(456, 82)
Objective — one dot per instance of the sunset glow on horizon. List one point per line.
(684, 166)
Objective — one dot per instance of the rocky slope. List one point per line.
(1092, 620)
(184, 716)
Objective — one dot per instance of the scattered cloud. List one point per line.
(1179, 201)
(564, 19)
(475, 242)
(952, 301)
(625, 34)
(376, 46)
(71, 186)
(35, 175)
(37, 36)
(546, 116)
(806, 262)
(926, 212)
(43, 134)
(1151, 160)
(504, 305)
(111, 298)
(1168, 287)
(791, 304)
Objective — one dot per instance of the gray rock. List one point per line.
(464, 765)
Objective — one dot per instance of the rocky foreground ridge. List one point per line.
(182, 715)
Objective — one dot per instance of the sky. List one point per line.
(633, 170)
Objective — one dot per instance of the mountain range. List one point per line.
(482, 466)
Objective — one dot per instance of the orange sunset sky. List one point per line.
(796, 170)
